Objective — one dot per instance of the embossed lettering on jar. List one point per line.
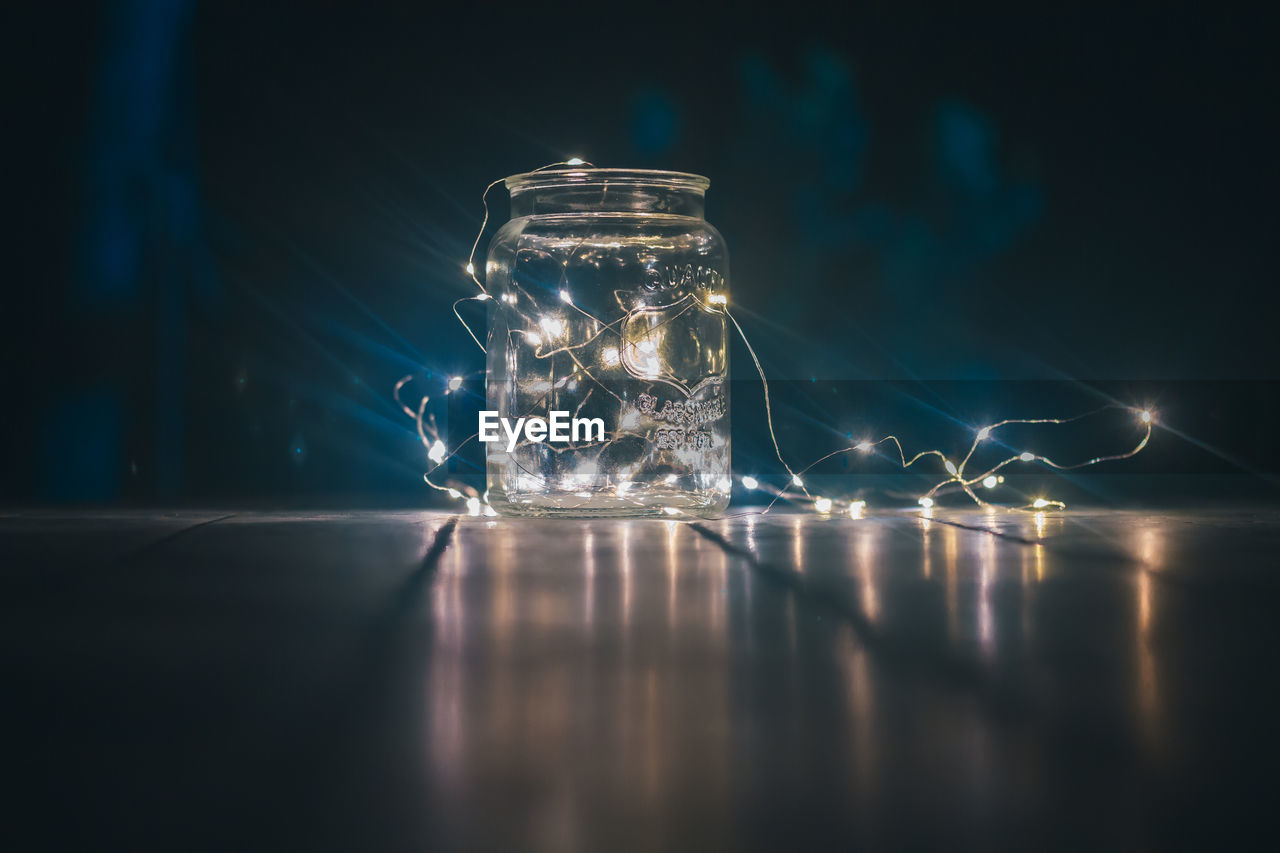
(609, 295)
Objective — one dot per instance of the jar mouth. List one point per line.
(550, 178)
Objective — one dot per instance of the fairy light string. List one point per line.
(954, 476)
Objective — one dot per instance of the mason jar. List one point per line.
(607, 324)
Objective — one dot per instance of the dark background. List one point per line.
(239, 224)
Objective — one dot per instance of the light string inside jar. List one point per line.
(539, 330)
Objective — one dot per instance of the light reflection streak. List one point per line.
(1027, 593)
(624, 561)
(865, 549)
(720, 591)
(926, 548)
(950, 550)
(671, 574)
(865, 742)
(589, 570)
(797, 542)
(986, 572)
(1151, 548)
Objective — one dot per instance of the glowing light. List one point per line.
(671, 479)
(642, 358)
(649, 364)
(490, 511)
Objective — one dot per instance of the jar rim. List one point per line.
(545, 178)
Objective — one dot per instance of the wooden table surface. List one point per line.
(412, 680)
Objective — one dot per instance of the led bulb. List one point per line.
(574, 161)
(455, 382)
(751, 482)
(796, 481)
(984, 433)
(822, 505)
(990, 482)
(437, 452)
(1026, 457)
(1039, 503)
(925, 502)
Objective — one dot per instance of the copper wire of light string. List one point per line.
(429, 434)
(958, 477)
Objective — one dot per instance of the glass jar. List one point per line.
(607, 319)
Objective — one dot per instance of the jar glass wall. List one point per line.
(608, 319)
